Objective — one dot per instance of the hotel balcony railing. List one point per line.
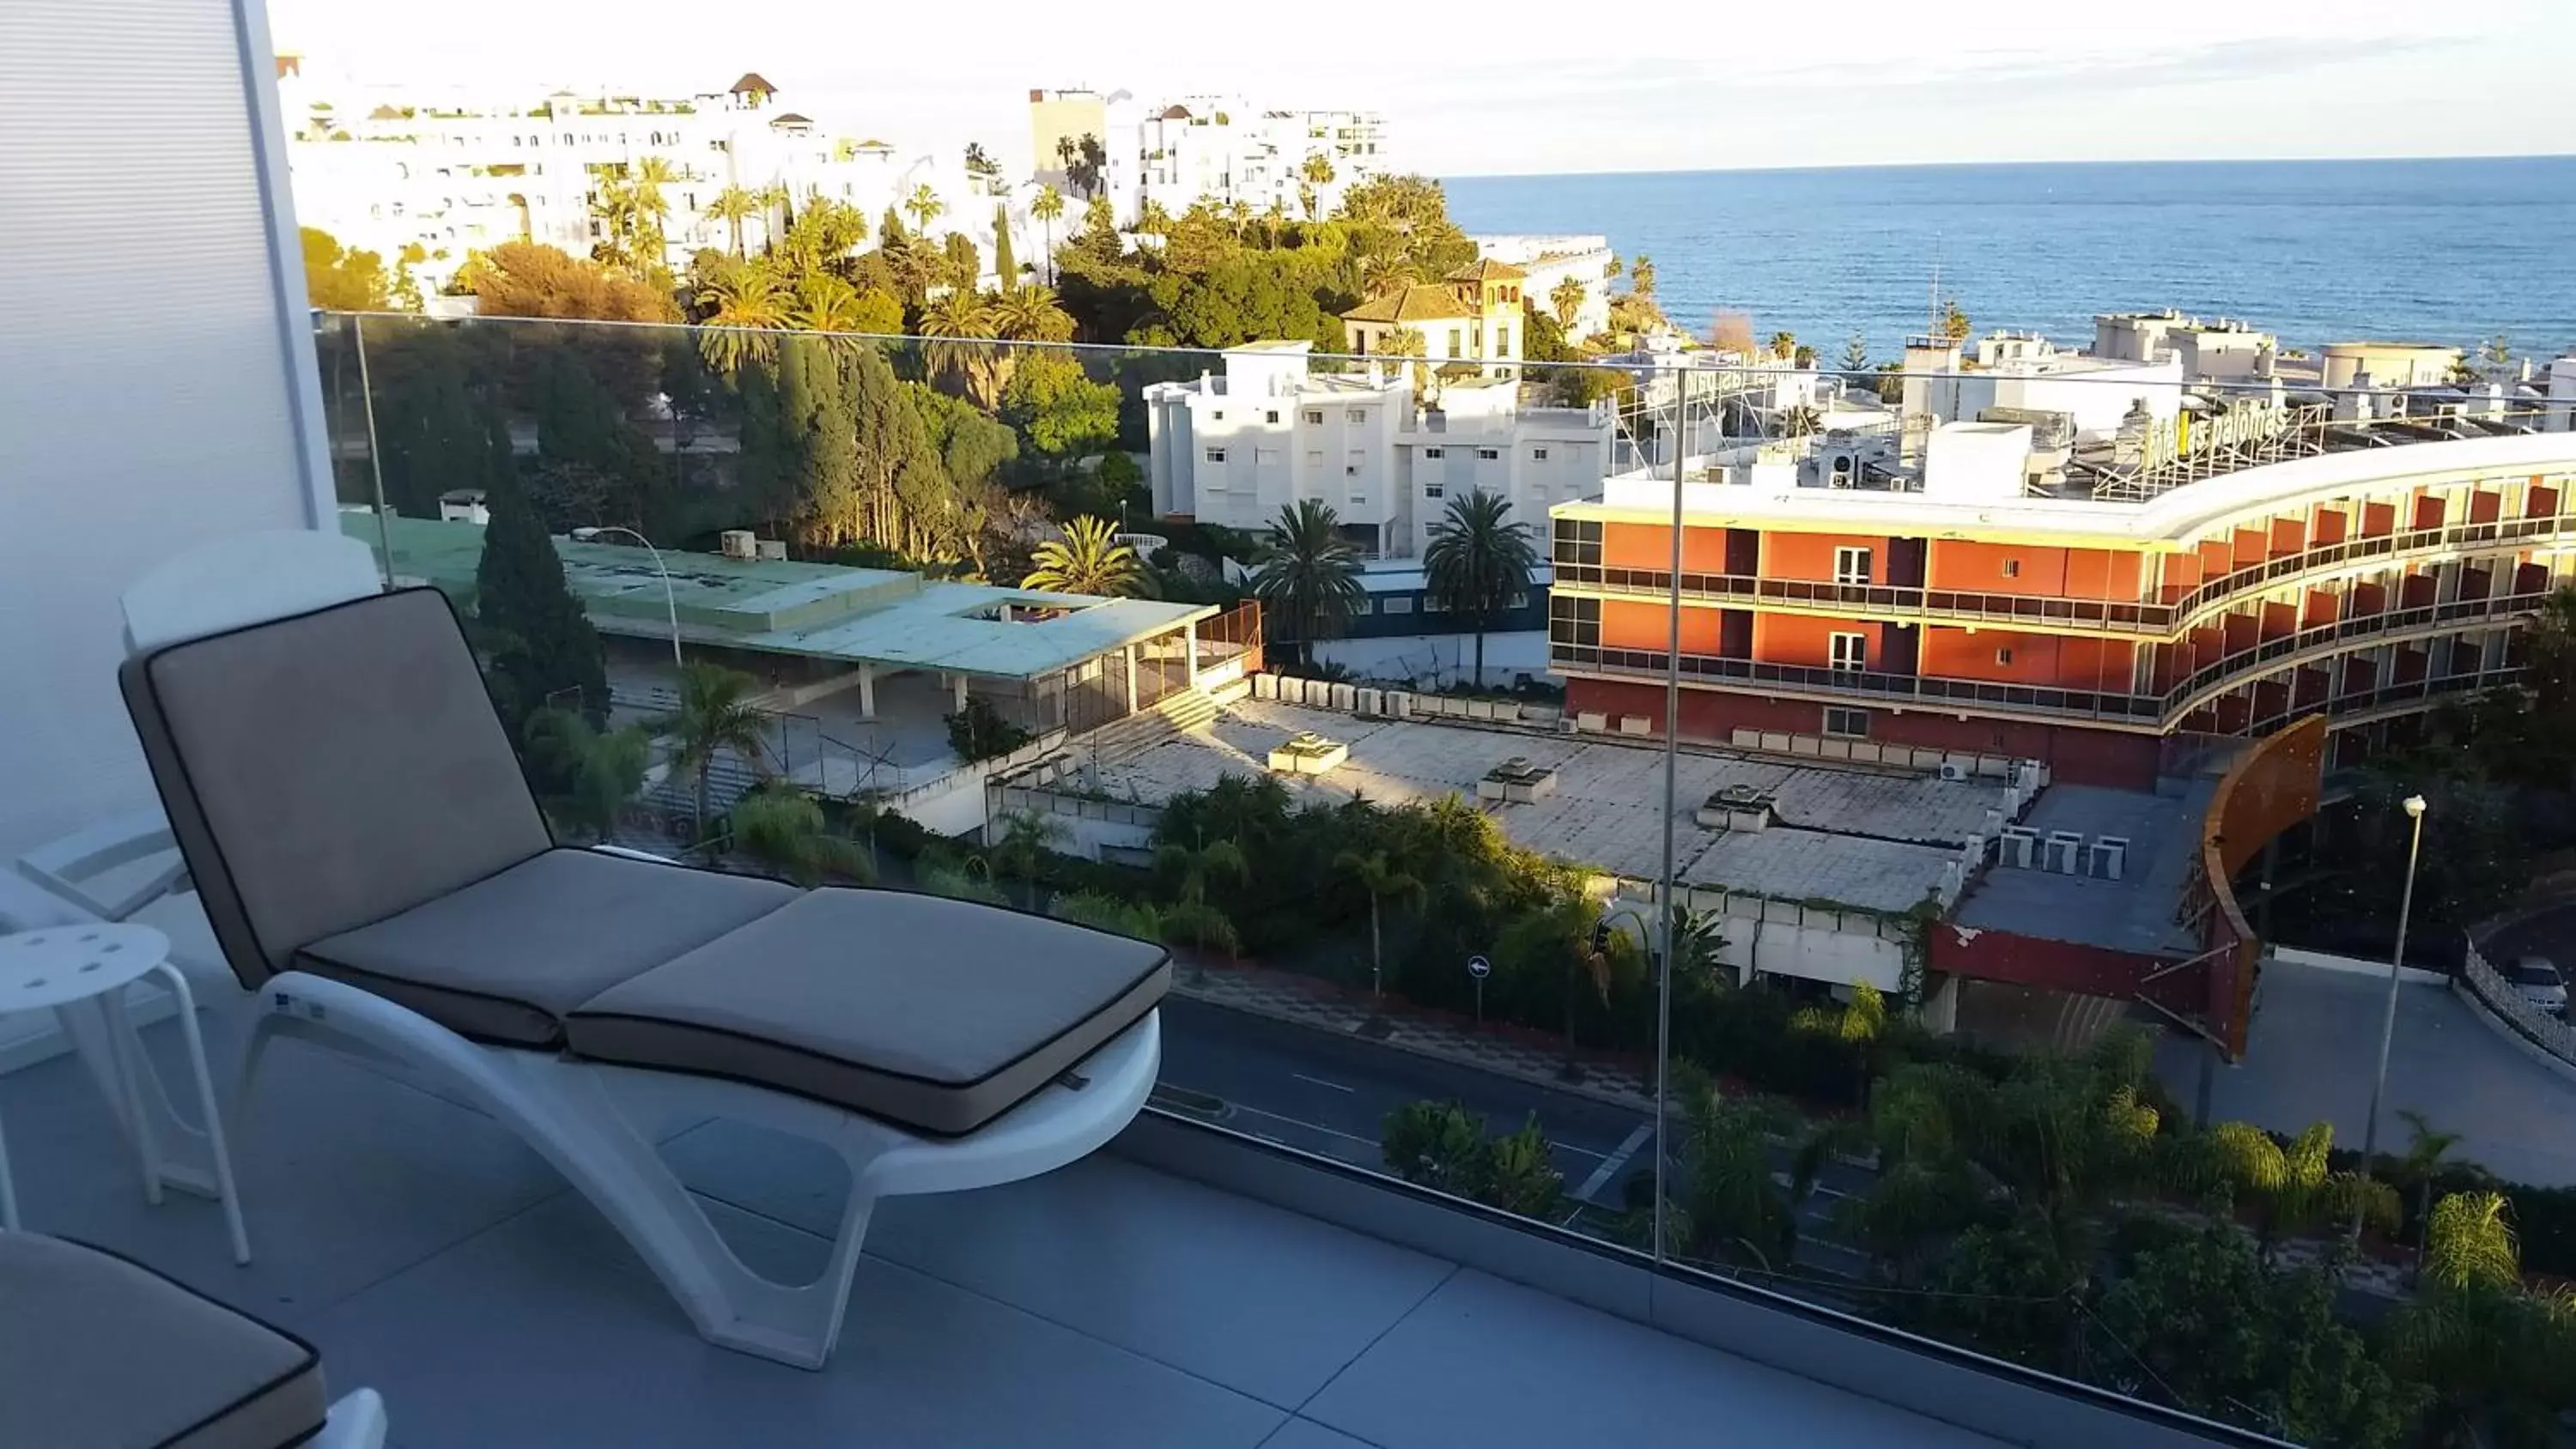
(2162, 620)
(2162, 711)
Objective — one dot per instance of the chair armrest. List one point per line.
(71, 866)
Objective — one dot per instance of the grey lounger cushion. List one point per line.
(101, 1353)
(932, 1014)
(503, 959)
(329, 770)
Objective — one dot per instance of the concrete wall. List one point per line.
(144, 417)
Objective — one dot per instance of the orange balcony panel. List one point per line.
(2233, 713)
(2252, 546)
(2320, 607)
(2367, 598)
(2271, 697)
(1640, 624)
(2378, 520)
(2208, 645)
(2410, 666)
(1650, 546)
(2541, 501)
(2217, 558)
(2101, 573)
(2485, 506)
(2280, 620)
(2530, 578)
(2312, 687)
(1803, 639)
(2360, 674)
(2417, 591)
(2330, 526)
(2428, 511)
(2240, 631)
(2289, 536)
(1811, 555)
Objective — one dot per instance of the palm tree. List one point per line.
(1641, 275)
(2426, 1146)
(1478, 561)
(1409, 342)
(733, 206)
(1801, 420)
(1728, 1207)
(2295, 1190)
(747, 299)
(1191, 917)
(1027, 836)
(925, 206)
(1045, 210)
(1318, 170)
(1555, 939)
(1567, 300)
(1032, 314)
(1089, 559)
(1784, 345)
(2468, 1244)
(716, 718)
(1385, 881)
(824, 303)
(1309, 584)
(957, 325)
(1152, 219)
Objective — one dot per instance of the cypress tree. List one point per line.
(821, 452)
(1004, 264)
(538, 641)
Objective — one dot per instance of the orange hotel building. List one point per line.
(2367, 585)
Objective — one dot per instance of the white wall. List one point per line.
(157, 385)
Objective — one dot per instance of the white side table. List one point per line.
(83, 968)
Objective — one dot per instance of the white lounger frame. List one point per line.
(598, 1123)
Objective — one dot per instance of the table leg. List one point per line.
(8, 1190)
(127, 1050)
(213, 1117)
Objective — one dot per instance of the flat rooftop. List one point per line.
(781, 606)
(2135, 913)
(1873, 841)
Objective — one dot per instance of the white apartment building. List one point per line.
(2227, 350)
(1269, 432)
(455, 173)
(1219, 148)
(2022, 372)
(1547, 261)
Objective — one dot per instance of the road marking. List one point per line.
(1609, 1168)
(1320, 1082)
(1302, 1122)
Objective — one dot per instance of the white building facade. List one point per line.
(1218, 148)
(1551, 260)
(1269, 433)
(454, 174)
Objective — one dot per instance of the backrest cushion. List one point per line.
(328, 770)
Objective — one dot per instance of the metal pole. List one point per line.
(1672, 768)
(375, 455)
(2388, 1021)
(670, 601)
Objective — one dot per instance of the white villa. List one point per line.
(1233, 449)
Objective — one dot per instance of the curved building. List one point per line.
(2366, 585)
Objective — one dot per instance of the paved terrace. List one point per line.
(1875, 841)
(433, 1257)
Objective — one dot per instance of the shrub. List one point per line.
(978, 732)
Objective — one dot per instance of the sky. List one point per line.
(1513, 87)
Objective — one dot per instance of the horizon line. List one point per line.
(2569, 155)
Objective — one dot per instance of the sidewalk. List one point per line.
(1287, 996)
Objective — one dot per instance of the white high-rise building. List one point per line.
(452, 174)
(1269, 432)
(1220, 149)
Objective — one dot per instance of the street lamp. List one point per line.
(2388, 1022)
(670, 601)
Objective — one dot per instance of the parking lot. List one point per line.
(2315, 1044)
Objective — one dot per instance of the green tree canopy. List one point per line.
(541, 648)
(344, 279)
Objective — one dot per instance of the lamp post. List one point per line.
(2388, 1021)
(670, 601)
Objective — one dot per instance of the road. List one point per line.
(1322, 1092)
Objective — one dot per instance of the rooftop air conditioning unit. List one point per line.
(1954, 772)
(739, 543)
(2020, 844)
(2065, 852)
(772, 550)
(2110, 857)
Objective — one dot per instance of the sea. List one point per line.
(2451, 251)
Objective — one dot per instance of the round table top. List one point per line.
(64, 964)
